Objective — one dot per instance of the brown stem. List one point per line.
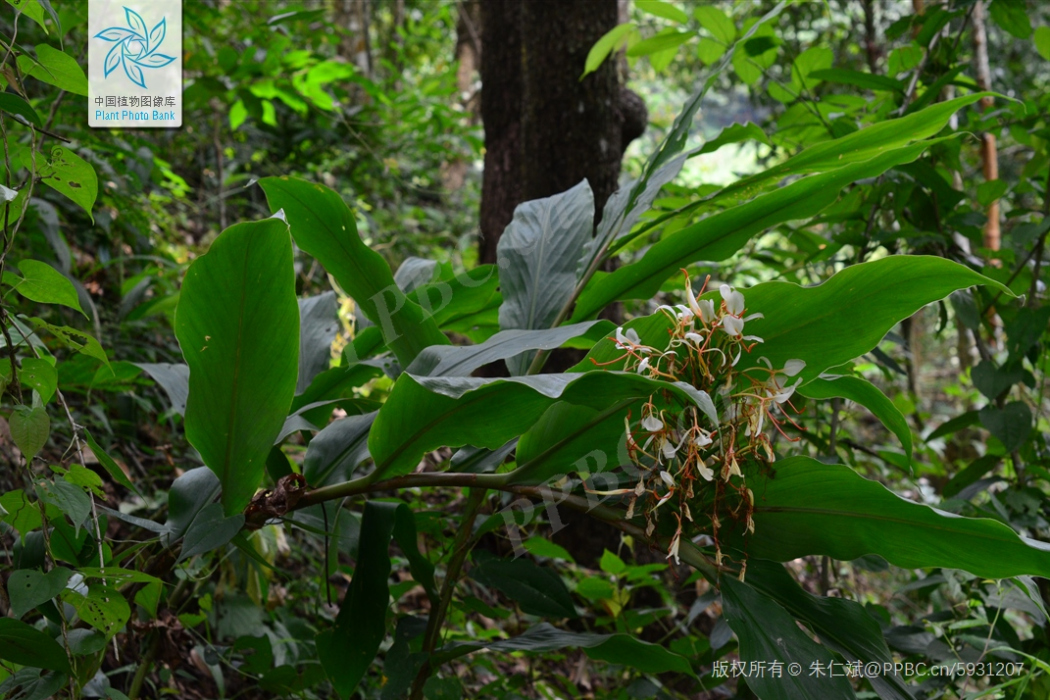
(460, 549)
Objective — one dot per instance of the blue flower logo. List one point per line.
(135, 48)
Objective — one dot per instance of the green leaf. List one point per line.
(813, 508)
(78, 340)
(1042, 41)
(174, 379)
(29, 588)
(18, 512)
(335, 451)
(659, 8)
(55, 68)
(612, 40)
(768, 633)
(721, 235)
(808, 64)
(988, 192)
(13, 104)
(188, 496)
(715, 21)
(867, 395)
(1012, 16)
(68, 498)
(859, 146)
(626, 205)
(104, 608)
(111, 467)
(842, 625)
(30, 428)
(849, 314)
(40, 375)
(993, 381)
(760, 52)
(347, 650)
(570, 438)
(622, 209)
(83, 477)
(423, 413)
(318, 326)
(43, 283)
(974, 470)
(238, 115)
(238, 325)
(31, 9)
(538, 254)
(324, 227)
(667, 40)
(613, 648)
(149, 597)
(72, 176)
(868, 81)
(538, 590)
(1010, 424)
(461, 361)
(29, 646)
(210, 530)
(709, 51)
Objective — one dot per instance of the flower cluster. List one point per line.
(682, 458)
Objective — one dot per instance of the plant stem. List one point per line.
(460, 549)
(365, 485)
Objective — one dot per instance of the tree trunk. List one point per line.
(545, 129)
(501, 99)
(570, 127)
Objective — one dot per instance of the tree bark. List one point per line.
(545, 129)
(570, 127)
(501, 100)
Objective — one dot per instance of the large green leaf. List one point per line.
(318, 326)
(628, 203)
(849, 314)
(867, 395)
(424, 413)
(324, 227)
(29, 646)
(238, 325)
(336, 450)
(461, 361)
(537, 255)
(188, 496)
(853, 148)
(859, 146)
(570, 438)
(843, 625)
(347, 650)
(768, 633)
(721, 235)
(806, 507)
